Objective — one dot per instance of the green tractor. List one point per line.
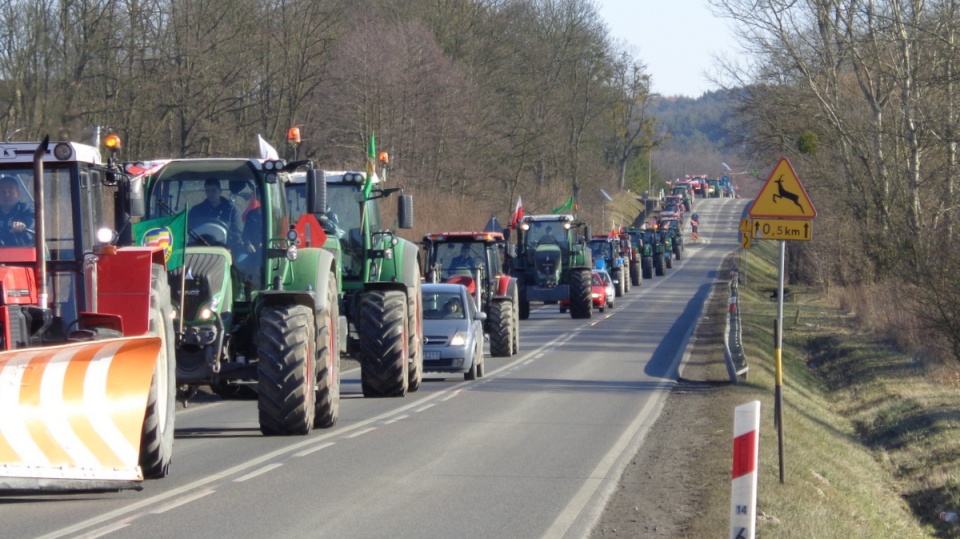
(552, 263)
(381, 276)
(674, 229)
(652, 248)
(256, 315)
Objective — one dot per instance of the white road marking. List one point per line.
(261, 471)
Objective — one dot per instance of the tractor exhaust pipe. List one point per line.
(40, 227)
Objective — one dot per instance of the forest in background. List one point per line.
(477, 102)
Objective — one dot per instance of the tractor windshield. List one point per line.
(545, 232)
(601, 250)
(455, 258)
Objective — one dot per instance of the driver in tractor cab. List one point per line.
(548, 237)
(16, 218)
(217, 209)
(464, 260)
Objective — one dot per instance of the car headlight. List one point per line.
(459, 339)
(595, 295)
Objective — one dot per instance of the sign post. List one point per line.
(784, 212)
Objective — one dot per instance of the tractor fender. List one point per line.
(506, 288)
(310, 283)
(123, 286)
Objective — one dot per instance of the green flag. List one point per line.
(167, 232)
(565, 207)
(371, 166)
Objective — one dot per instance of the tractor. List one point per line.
(381, 275)
(473, 260)
(552, 263)
(649, 240)
(256, 313)
(86, 328)
(673, 229)
(606, 254)
(631, 253)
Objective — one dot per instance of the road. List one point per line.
(531, 450)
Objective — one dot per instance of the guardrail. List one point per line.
(733, 334)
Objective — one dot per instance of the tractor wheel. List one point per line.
(328, 362)
(668, 259)
(624, 274)
(618, 276)
(500, 320)
(647, 267)
(677, 251)
(658, 265)
(415, 332)
(516, 324)
(635, 273)
(384, 358)
(156, 443)
(287, 369)
(524, 309)
(581, 287)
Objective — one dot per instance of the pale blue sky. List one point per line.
(677, 39)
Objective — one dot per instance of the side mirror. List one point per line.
(405, 211)
(481, 316)
(586, 232)
(316, 192)
(136, 203)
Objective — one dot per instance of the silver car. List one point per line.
(453, 331)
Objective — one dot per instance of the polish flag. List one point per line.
(517, 214)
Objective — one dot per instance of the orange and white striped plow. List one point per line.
(71, 416)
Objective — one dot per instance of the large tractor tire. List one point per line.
(516, 323)
(668, 259)
(328, 361)
(581, 288)
(156, 442)
(415, 337)
(635, 279)
(624, 274)
(500, 322)
(382, 331)
(658, 267)
(647, 267)
(524, 309)
(619, 286)
(287, 369)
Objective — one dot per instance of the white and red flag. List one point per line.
(517, 213)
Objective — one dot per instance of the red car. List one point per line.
(602, 292)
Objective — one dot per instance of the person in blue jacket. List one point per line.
(16, 218)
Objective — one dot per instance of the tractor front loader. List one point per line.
(86, 333)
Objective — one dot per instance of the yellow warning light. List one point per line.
(293, 135)
(113, 143)
(383, 157)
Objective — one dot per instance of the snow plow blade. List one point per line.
(71, 416)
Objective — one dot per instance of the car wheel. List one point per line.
(472, 373)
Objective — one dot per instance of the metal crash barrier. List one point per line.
(733, 335)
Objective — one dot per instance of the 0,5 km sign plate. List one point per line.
(782, 229)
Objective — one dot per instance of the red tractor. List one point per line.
(86, 329)
(632, 257)
(473, 259)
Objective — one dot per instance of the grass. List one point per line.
(871, 445)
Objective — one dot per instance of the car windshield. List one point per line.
(442, 305)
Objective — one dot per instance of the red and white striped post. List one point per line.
(743, 492)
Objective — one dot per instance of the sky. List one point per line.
(676, 39)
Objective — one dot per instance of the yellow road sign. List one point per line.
(782, 229)
(745, 226)
(783, 196)
(745, 240)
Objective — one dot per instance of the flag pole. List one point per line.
(183, 271)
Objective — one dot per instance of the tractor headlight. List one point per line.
(106, 236)
(292, 252)
(206, 313)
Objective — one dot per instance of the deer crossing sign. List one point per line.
(782, 197)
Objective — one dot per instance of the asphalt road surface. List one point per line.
(533, 449)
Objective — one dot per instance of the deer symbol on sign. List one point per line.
(783, 193)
